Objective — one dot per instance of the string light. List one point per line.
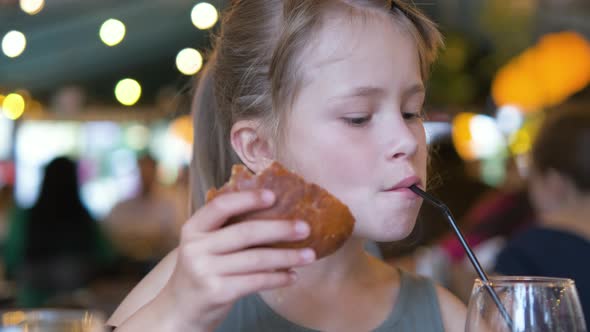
(112, 32)
(32, 7)
(128, 91)
(14, 43)
(189, 61)
(13, 106)
(204, 15)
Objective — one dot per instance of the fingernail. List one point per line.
(308, 255)
(302, 228)
(293, 275)
(268, 196)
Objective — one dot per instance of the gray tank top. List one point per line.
(416, 310)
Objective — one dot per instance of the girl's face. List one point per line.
(355, 127)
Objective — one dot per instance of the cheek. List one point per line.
(422, 163)
(326, 157)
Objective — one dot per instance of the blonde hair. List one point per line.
(253, 71)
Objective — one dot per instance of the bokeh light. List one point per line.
(182, 128)
(488, 141)
(189, 61)
(521, 141)
(477, 136)
(32, 7)
(112, 32)
(128, 91)
(509, 119)
(13, 106)
(546, 74)
(14, 43)
(462, 135)
(204, 15)
(137, 137)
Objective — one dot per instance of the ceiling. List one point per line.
(63, 47)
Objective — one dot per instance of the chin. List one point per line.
(386, 230)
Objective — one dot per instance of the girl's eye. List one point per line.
(358, 121)
(413, 116)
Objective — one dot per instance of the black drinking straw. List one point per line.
(482, 275)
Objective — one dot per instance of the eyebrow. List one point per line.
(371, 91)
(362, 91)
(414, 89)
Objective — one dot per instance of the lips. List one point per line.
(406, 183)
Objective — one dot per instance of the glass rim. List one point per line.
(525, 280)
(52, 310)
(15, 315)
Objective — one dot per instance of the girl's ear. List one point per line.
(252, 146)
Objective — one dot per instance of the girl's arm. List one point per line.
(145, 291)
(214, 266)
(154, 315)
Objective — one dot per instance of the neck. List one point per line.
(573, 217)
(346, 291)
(333, 273)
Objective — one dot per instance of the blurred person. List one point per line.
(559, 188)
(55, 247)
(6, 207)
(145, 228)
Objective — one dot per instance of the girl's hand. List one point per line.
(217, 266)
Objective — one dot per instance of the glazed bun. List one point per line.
(330, 220)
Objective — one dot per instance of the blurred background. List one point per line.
(107, 85)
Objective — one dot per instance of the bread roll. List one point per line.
(330, 220)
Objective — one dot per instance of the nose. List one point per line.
(403, 142)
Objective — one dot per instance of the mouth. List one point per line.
(405, 184)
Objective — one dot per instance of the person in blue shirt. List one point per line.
(559, 188)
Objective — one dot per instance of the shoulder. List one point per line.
(526, 243)
(537, 249)
(424, 297)
(521, 243)
(145, 291)
(532, 234)
(452, 310)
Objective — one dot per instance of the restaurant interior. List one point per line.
(104, 88)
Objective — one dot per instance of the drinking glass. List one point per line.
(531, 303)
(52, 320)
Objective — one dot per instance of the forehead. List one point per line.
(368, 48)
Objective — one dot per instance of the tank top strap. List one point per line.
(417, 307)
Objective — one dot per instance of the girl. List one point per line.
(333, 89)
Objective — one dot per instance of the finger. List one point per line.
(249, 234)
(262, 260)
(216, 212)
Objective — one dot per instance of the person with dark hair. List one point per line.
(559, 188)
(7, 206)
(56, 247)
